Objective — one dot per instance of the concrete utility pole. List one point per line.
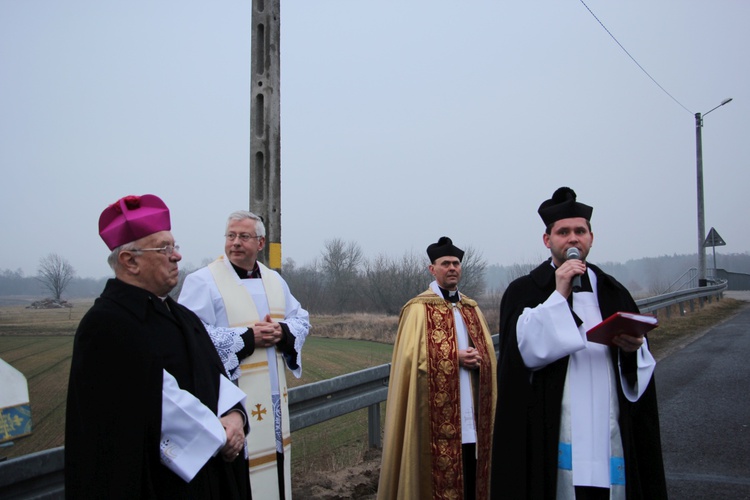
(265, 125)
(701, 213)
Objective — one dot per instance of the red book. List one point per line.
(622, 323)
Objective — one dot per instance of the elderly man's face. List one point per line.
(157, 271)
(447, 272)
(243, 253)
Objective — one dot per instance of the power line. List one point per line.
(633, 58)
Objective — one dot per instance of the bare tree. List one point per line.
(489, 302)
(306, 284)
(55, 273)
(473, 266)
(341, 266)
(391, 282)
(657, 282)
(519, 270)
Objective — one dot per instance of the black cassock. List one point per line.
(527, 423)
(113, 417)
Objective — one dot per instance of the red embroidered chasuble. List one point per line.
(422, 449)
(444, 400)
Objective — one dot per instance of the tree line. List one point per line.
(343, 280)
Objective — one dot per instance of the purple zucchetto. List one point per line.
(563, 205)
(444, 247)
(131, 218)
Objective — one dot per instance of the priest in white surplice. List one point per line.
(575, 419)
(257, 327)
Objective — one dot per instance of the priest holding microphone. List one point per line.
(575, 419)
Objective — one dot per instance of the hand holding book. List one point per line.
(622, 323)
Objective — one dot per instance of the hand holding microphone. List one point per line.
(573, 253)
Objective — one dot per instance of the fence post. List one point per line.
(373, 425)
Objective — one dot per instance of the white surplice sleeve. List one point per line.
(548, 332)
(646, 365)
(190, 432)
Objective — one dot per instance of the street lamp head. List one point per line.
(725, 101)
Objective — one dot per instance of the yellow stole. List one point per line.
(255, 379)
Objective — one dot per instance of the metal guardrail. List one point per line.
(320, 401)
(37, 475)
(40, 475)
(681, 297)
(688, 279)
(315, 403)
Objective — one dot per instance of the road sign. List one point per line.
(713, 239)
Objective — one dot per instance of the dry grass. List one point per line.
(17, 320)
(375, 327)
(675, 330)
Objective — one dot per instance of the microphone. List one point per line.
(573, 253)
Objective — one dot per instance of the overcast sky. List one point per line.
(402, 121)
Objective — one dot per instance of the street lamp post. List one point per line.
(699, 183)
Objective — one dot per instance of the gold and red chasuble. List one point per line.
(445, 397)
(422, 448)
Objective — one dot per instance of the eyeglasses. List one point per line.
(165, 250)
(242, 236)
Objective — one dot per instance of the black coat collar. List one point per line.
(139, 301)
